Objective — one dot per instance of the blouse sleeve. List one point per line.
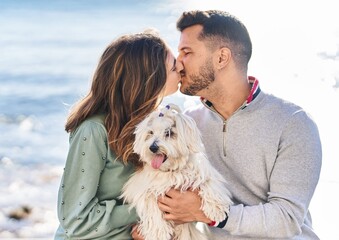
(81, 213)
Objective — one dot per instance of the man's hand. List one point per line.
(182, 207)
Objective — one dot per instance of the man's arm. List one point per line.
(292, 184)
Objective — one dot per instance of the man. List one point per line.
(268, 149)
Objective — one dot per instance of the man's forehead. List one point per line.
(189, 37)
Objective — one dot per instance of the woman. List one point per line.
(133, 75)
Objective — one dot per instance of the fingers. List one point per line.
(168, 216)
(180, 206)
(170, 198)
(163, 207)
(136, 234)
(173, 193)
(165, 202)
(170, 203)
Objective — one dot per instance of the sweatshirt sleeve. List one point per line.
(81, 213)
(292, 183)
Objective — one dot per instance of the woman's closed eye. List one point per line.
(174, 68)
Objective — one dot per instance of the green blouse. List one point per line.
(88, 203)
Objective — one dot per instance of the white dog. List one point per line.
(171, 149)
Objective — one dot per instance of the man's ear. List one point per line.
(224, 56)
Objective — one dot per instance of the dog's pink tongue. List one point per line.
(157, 161)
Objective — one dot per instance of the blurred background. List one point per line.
(49, 50)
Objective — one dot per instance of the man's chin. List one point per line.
(185, 91)
(189, 93)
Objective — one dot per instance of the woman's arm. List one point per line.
(80, 212)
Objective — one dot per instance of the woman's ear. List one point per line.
(224, 56)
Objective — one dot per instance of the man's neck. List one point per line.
(228, 98)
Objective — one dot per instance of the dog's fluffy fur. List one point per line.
(170, 146)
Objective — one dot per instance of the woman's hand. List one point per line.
(136, 234)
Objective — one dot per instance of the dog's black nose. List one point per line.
(154, 147)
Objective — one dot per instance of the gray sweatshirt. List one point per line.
(270, 154)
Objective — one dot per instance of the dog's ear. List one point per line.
(188, 131)
(169, 110)
(141, 133)
(174, 107)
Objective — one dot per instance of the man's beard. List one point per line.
(201, 80)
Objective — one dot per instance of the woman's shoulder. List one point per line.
(93, 125)
(96, 119)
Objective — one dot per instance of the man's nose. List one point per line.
(179, 66)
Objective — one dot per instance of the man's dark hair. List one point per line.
(220, 29)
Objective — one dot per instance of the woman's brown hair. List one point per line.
(127, 85)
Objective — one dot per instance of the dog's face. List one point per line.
(165, 139)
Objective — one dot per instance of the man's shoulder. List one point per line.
(283, 111)
(281, 104)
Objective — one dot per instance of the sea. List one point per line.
(48, 53)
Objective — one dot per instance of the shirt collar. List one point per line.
(255, 90)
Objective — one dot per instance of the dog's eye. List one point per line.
(168, 133)
(150, 132)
